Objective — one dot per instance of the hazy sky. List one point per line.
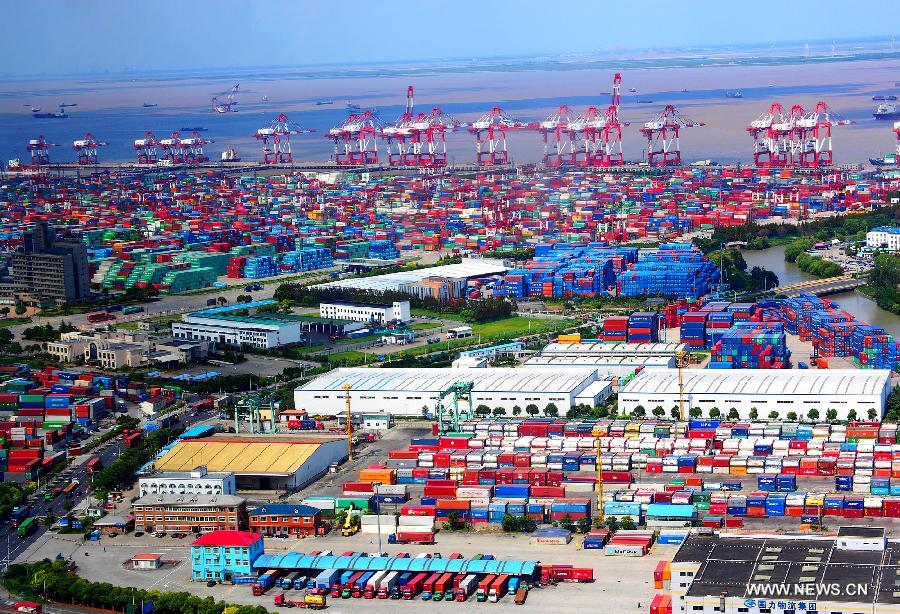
(80, 36)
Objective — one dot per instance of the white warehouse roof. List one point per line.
(599, 348)
(469, 267)
(579, 360)
(437, 380)
(824, 382)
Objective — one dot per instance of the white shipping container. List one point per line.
(416, 521)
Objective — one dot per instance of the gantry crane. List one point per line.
(490, 136)
(358, 135)
(814, 149)
(427, 143)
(173, 151)
(146, 149)
(40, 151)
(225, 106)
(662, 132)
(86, 149)
(764, 140)
(278, 133)
(398, 133)
(598, 134)
(459, 391)
(192, 148)
(559, 147)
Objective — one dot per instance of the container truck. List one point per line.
(414, 586)
(339, 582)
(347, 587)
(374, 584)
(326, 579)
(388, 584)
(402, 580)
(521, 595)
(428, 586)
(313, 602)
(411, 537)
(286, 582)
(359, 587)
(484, 587)
(300, 582)
(564, 573)
(466, 587)
(443, 588)
(498, 588)
(265, 582)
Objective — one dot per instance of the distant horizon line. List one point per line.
(632, 53)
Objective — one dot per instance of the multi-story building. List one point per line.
(190, 513)
(225, 555)
(51, 271)
(359, 312)
(196, 482)
(284, 519)
(263, 330)
(120, 348)
(884, 237)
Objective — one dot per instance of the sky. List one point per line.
(70, 37)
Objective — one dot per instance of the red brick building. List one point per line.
(189, 513)
(285, 519)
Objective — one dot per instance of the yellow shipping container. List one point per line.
(573, 338)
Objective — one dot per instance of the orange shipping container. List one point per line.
(452, 504)
(385, 476)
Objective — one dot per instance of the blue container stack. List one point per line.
(693, 330)
(258, 267)
(643, 327)
(675, 270)
(751, 346)
(382, 249)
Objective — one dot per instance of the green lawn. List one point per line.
(517, 326)
(7, 322)
(351, 358)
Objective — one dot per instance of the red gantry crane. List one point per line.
(355, 140)
(662, 132)
(278, 133)
(598, 134)
(490, 136)
(398, 133)
(814, 136)
(787, 135)
(86, 149)
(427, 143)
(173, 150)
(558, 141)
(225, 106)
(146, 149)
(40, 151)
(192, 148)
(764, 142)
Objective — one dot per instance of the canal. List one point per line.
(853, 302)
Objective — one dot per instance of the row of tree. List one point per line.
(54, 580)
(884, 282)
(550, 409)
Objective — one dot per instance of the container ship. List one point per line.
(61, 114)
(880, 98)
(886, 111)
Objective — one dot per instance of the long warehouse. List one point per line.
(766, 390)
(412, 392)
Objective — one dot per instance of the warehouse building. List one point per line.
(612, 350)
(440, 282)
(770, 574)
(258, 463)
(222, 325)
(412, 392)
(359, 312)
(612, 366)
(766, 390)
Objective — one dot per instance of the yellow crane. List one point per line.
(351, 523)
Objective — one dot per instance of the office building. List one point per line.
(195, 482)
(225, 555)
(398, 311)
(49, 270)
(285, 519)
(884, 238)
(189, 513)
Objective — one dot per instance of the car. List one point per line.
(138, 533)
(211, 583)
(112, 534)
(160, 534)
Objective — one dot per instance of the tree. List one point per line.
(831, 415)
(754, 413)
(695, 412)
(714, 412)
(639, 412)
(627, 523)
(455, 522)
(20, 309)
(872, 413)
(851, 415)
(675, 413)
(773, 415)
(658, 411)
(584, 524)
(531, 409)
(612, 523)
(516, 410)
(567, 523)
(792, 415)
(551, 410)
(244, 298)
(733, 414)
(499, 411)
(482, 410)
(813, 414)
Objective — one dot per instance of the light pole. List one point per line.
(375, 486)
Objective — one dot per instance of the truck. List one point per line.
(484, 587)
(443, 588)
(28, 607)
(521, 595)
(347, 587)
(133, 309)
(313, 602)
(300, 582)
(286, 582)
(414, 586)
(359, 587)
(326, 579)
(402, 580)
(428, 586)
(466, 587)
(26, 527)
(564, 573)
(100, 316)
(411, 537)
(374, 584)
(498, 588)
(19, 514)
(388, 584)
(265, 582)
(338, 584)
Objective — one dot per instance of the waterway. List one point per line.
(859, 305)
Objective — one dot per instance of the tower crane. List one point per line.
(40, 150)
(399, 132)
(225, 106)
(278, 132)
(490, 136)
(173, 151)
(662, 132)
(764, 141)
(86, 149)
(358, 135)
(146, 149)
(192, 148)
(558, 142)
